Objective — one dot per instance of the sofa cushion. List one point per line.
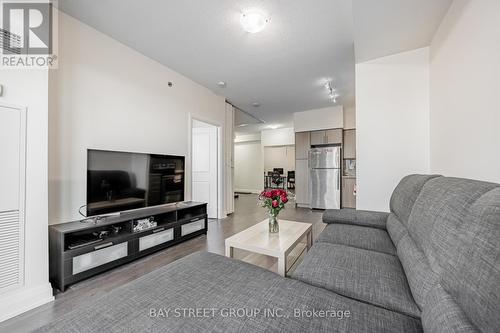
(439, 217)
(450, 254)
(421, 278)
(442, 315)
(209, 281)
(395, 229)
(371, 277)
(473, 280)
(406, 192)
(361, 237)
(363, 218)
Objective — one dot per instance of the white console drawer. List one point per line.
(155, 239)
(100, 257)
(189, 228)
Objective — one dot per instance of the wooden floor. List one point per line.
(247, 213)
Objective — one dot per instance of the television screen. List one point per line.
(120, 181)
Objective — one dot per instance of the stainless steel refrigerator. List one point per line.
(324, 182)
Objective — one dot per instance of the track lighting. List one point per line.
(332, 92)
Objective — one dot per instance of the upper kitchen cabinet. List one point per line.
(333, 136)
(302, 145)
(317, 138)
(350, 144)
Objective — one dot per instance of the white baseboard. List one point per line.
(246, 190)
(21, 300)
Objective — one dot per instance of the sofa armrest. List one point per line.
(363, 218)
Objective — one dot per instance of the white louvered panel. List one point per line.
(12, 196)
(10, 249)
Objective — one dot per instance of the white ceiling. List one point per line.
(385, 27)
(284, 67)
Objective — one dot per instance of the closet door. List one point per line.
(12, 181)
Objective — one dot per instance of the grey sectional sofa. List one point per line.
(432, 264)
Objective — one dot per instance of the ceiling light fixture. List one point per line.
(221, 84)
(242, 125)
(332, 92)
(273, 126)
(256, 104)
(253, 21)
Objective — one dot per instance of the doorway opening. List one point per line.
(205, 165)
(279, 167)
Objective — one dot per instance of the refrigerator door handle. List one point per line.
(338, 183)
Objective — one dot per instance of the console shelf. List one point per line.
(78, 250)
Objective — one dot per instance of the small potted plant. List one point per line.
(274, 201)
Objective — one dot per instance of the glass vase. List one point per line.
(273, 224)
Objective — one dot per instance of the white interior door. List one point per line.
(204, 161)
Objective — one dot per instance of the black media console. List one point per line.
(79, 249)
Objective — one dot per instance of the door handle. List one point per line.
(102, 246)
(158, 230)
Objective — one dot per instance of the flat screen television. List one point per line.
(119, 181)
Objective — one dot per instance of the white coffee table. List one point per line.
(257, 239)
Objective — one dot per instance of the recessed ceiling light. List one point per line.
(242, 125)
(221, 84)
(255, 104)
(273, 126)
(253, 21)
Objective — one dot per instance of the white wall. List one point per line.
(248, 166)
(392, 121)
(29, 88)
(107, 96)
(319, 119)
(465, 108)
(278, 137)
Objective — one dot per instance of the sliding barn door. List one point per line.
(12, 188)
(229, 160)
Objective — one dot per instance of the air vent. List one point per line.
(9, 42)
(10, 254)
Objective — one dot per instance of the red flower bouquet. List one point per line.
(274, 201)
